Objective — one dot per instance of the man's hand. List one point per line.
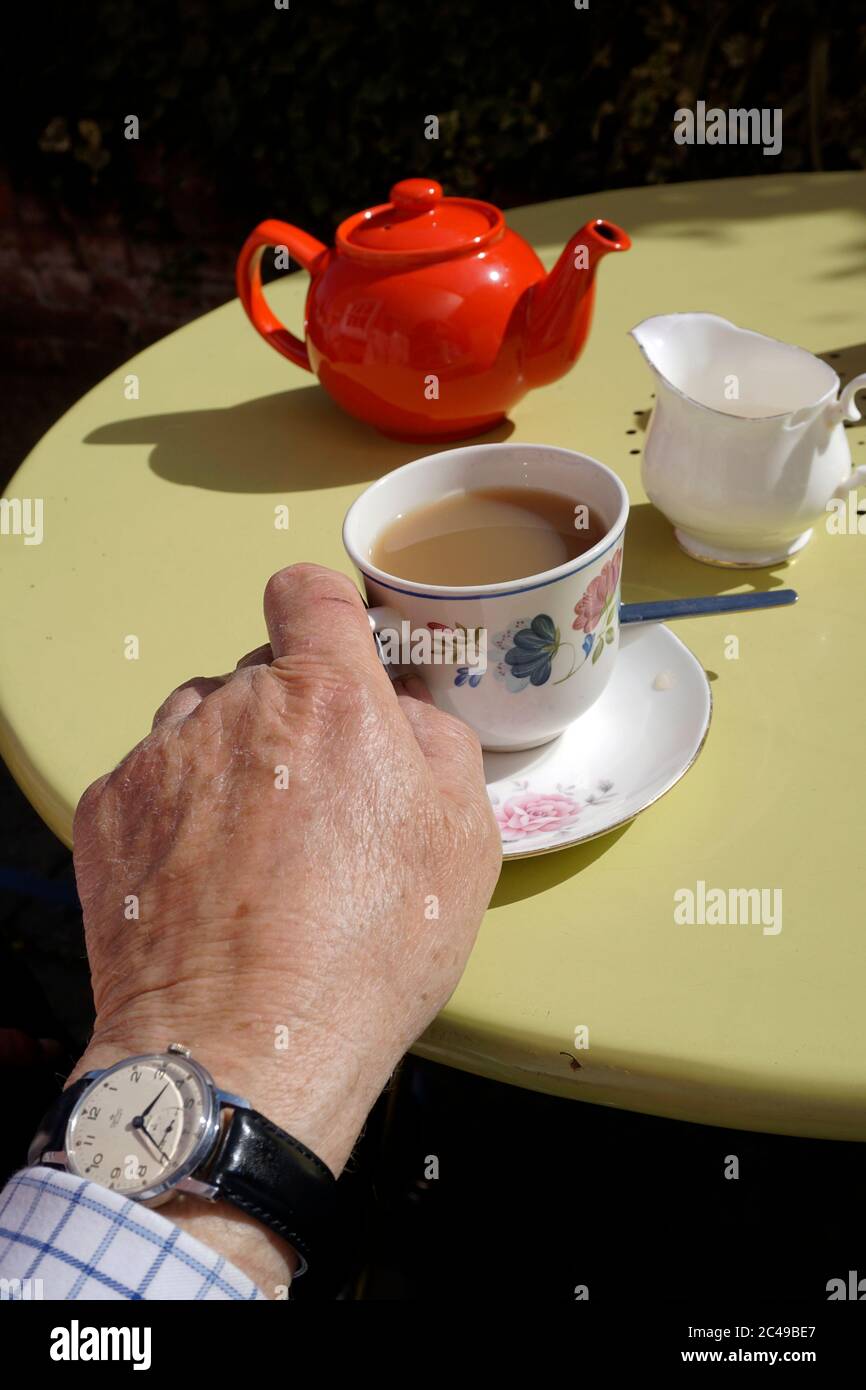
(311, 853)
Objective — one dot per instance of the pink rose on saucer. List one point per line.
(594, 601)
(531, 813)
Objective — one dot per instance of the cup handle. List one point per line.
(248, 279)
(379, 619)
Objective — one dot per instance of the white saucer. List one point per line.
(635, 743)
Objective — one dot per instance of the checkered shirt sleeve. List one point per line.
(62, 1237)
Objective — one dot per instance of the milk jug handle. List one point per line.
(844, 408)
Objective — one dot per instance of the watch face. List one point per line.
(143, 1125)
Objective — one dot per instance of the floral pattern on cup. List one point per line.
(530, 647)
(598, 596)
(465, 675)
(527, 812)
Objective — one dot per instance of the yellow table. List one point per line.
(159, 523)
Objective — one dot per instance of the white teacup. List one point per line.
(518, 660)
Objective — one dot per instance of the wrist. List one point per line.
(316, 1079)
(297, 1088)
(322, 1113)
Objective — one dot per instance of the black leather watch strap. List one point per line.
(51, 1134)
(256, 1165)
(275, 1178)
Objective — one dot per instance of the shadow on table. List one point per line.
(288, 442)
(523, 878)
(654, 567)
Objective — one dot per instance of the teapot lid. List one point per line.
(419, 223)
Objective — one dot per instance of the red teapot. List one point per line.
(429, 318)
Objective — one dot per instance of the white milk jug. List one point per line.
(747, 444)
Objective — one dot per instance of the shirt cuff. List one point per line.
(62, 1237)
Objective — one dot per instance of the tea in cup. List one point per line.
(494, 574)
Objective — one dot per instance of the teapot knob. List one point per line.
(416, 195)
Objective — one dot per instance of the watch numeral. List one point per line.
(115, 1172)
(135, 1074)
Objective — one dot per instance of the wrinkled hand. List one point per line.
(311, 853)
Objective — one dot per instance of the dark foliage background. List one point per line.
(307, 113)
(310, 112)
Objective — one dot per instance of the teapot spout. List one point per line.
(559, 312)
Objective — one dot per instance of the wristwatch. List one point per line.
(152, 1126)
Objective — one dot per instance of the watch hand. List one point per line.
(168, 1130)
(146, 1131)
(138, 1123)
(148, 1108)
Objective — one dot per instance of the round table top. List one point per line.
(159, 522)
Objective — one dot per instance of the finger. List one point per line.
(262, 656)
(450, 748)
(317, 617)
(414, 687)
(186, 698)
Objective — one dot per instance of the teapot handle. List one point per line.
(248, 278)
